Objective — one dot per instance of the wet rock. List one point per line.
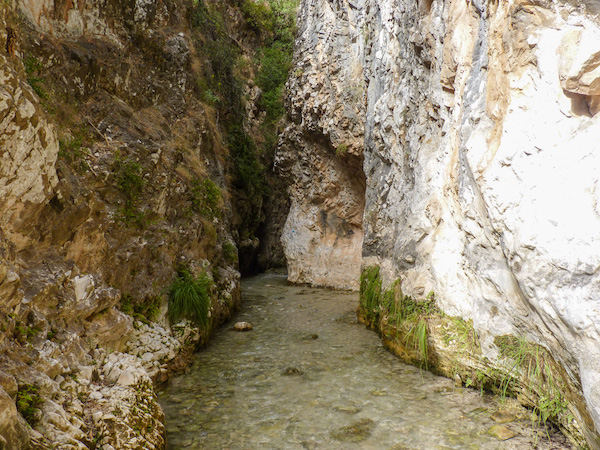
(457, 380)
(347, 409)
(503, 417)
(357, 432)
(242, 326)
(292, 371)
(310, 337)
(501, 432)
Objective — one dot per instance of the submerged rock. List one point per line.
(501, 432)
(357, 432)
(242, 326)
(292, 371)
(503, 417)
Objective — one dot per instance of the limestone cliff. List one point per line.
(128, 152)
(477, 122)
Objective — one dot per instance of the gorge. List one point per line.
(440, 156)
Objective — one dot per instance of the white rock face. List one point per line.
(321, 151)
(481, 158)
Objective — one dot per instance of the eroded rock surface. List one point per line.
(481, 162)
(101, 144)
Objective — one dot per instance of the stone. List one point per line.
(501, 433)
(96, 395)
(242, 326)
(127, 378)
(503, 416)
(457, 380)
(356, 432)
(13, 429)
(292, 371)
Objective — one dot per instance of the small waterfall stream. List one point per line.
(310, 376)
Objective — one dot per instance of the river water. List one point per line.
(310, 376)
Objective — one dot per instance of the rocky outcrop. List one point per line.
(321, 151)
(105, 165)
(480, 163)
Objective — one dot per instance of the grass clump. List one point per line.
(230, 252)
(29, 402)
(145, 311)
(130, 183)
(189, 298)
(206, 198)
(530, 370)
(33, 67)
(370, 292)
(461, 334)
(392, 310)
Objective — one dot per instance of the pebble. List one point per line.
(503, 417)
(95, 395)
(501, 432)
(457, 380)
(242, 326)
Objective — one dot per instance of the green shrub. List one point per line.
(275, 62)
(206, 198)
(341, 150)
(189, 298)
(230, 252)
(28, 402)
(131, 184)
(258, 16)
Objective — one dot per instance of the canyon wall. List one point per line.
(477, 125)
(116, 178)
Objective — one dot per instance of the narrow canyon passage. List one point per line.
(310, 376)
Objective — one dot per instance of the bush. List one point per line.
(28, 402)
(206, 198)
(130, 183)
(189, 298)
(230, 252)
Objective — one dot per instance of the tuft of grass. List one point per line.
(206, 198)
(391, 309)
(189, 298)
(341, 150)
(461, 334)
(33, 66)
(230, 252)
(370, 292)
(29, 402)
(417, 338)
(529, 368)
(145, 311)
(130, 183)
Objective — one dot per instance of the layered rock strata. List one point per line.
(480, 158)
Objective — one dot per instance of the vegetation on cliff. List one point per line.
(421, 334)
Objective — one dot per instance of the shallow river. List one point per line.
(310, 376)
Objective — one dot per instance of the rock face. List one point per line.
(481, 162)
(106, 164)
(320, 152)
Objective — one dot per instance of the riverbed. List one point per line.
(309, 376)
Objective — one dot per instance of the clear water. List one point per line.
(310, 376)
